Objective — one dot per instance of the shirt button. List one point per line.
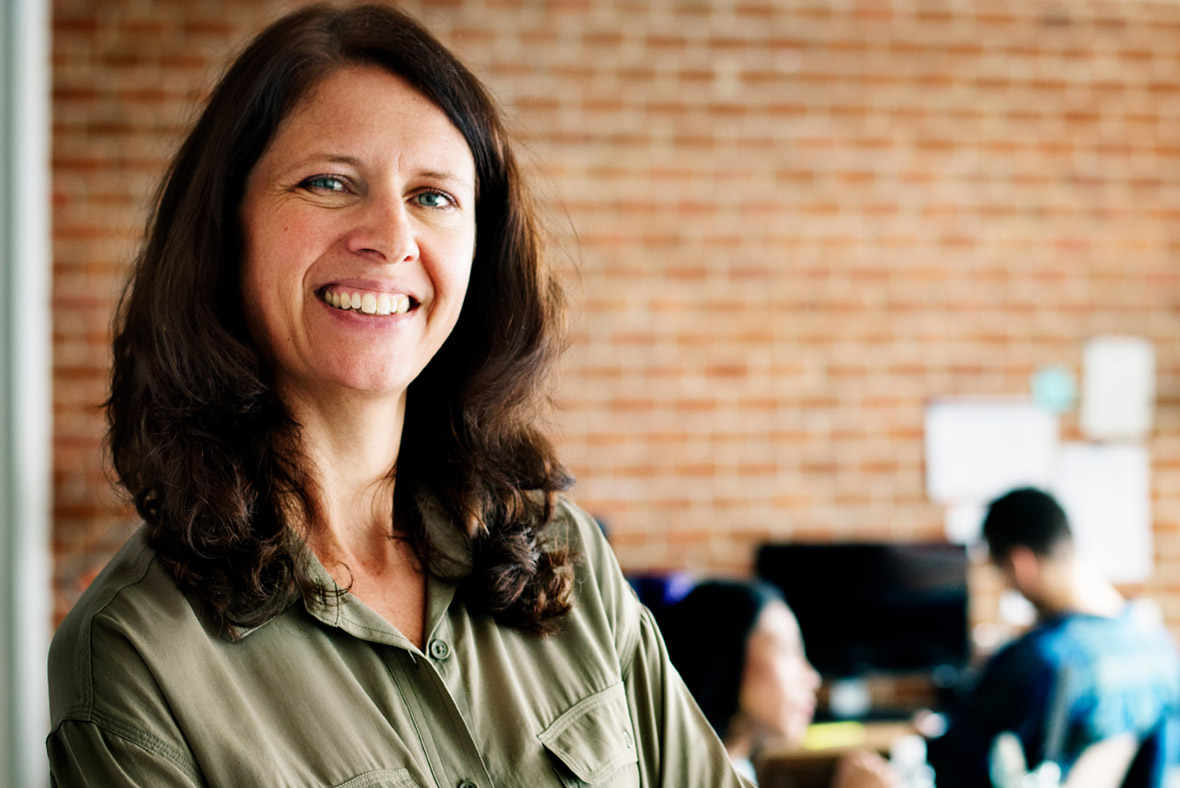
(440, 650)
(627, 740)
(465, 783)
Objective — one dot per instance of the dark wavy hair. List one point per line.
(197, 434)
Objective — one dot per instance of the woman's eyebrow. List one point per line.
(331, 158)
(442, 175)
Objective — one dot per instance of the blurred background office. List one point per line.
(815, 247)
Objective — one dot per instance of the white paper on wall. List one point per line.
(979, 449)
(1118, 388)
(964, 522)
(1106, 492)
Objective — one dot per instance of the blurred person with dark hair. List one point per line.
(355, 567)
(1094, 666)
(738, 648)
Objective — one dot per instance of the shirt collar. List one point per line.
(333, 606)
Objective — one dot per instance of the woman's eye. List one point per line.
(324, 183)
(434, 200)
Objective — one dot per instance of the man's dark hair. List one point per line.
(197, 435)
(1026, 517)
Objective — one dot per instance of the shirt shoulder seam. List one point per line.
(116, 591)
(86, 632)
(627, 653)
(135, 736)
(626, 628)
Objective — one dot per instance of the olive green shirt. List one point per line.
(143, 693)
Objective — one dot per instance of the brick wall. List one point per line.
(786, 225)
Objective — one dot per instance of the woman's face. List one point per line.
(778, 684)
(359, 230)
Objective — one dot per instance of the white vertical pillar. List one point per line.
(25, 391)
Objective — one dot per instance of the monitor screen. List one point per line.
(874, 607)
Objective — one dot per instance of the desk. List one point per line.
(812, 766)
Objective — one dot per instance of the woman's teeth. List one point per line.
(368, 303)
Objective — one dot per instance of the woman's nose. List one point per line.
(384, 231)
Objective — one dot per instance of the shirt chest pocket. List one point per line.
(385, 778)
(592, 743)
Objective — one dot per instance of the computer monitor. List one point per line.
(878, 607)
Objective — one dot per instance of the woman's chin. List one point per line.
(794, 731)
(343, 385)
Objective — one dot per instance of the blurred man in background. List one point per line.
(1093, 667)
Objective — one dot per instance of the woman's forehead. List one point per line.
(375, 111)
(777, 621)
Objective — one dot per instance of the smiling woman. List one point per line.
(382, 208)
(355, 567)
(366, 193)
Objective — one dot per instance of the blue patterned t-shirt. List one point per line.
(1106, 676)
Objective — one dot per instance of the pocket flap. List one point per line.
(384, 778)
(593, 738)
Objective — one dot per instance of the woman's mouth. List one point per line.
(367, 303)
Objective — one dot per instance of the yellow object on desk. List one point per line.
(812, 764)
(834, 735)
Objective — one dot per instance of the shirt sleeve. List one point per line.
(679, 746)
(82, 754)
(1012, 694)
(676, 745)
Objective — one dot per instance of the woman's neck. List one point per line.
(739, 739)
(351, 446)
